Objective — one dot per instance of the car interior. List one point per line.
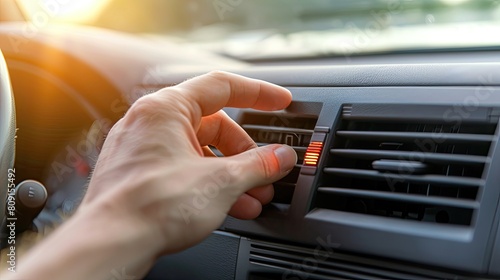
(394, 118)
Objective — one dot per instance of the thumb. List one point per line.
(262, 166)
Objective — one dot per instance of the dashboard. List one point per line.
(402, 183)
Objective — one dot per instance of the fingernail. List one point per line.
(287, 158)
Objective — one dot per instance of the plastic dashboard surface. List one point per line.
(432, 94)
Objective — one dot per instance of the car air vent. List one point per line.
(295, 262)
(422, 163)
(284, 128)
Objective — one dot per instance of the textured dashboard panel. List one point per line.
(214, 258)
(462, 87)
(451, 246)
(265, 260)
(495, 259)
(459, 74)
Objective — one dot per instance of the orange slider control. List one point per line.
(312, 153)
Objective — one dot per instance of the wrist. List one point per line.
(93, 244)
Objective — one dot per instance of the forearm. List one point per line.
(89, 246)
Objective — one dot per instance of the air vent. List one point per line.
(419, 163)
(282, 128)
(295, 262)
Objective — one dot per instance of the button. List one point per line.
(31, 194)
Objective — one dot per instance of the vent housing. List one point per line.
(293, 262)
(410, 162)
(287, 128)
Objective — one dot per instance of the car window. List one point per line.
(263, 28)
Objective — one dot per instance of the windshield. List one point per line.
(259, 29)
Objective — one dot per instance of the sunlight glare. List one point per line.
(72, 10)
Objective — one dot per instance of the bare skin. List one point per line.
(157, 189)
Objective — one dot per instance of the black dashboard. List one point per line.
(398, 154)
(405, 172)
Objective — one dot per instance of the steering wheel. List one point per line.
(7, 134)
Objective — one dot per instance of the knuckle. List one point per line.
(223, 81)
(143, 106)
(268, 170)
(246, 145)
(217, 74)
(152, 108)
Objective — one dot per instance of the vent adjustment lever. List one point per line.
(400, 166)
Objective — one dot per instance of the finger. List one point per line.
(261, 166)
(264, 194)
(211, 92)
(246, 207)
(220, 131)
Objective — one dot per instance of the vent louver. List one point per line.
(407, 162)
(294, 262)
(282, 128)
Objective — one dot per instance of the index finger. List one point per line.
(211, 92)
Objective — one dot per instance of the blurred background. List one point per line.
(259, 29)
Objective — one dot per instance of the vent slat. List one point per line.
(277, 129)
(335, 271)
(287, 257)
(405, 197)
(284, 184)
(292, 129)
(407, 162)
(429, 179)
(414, 155)
(296, 148)
(412, 136)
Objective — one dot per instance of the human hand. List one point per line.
(153, 161)
(152, 170)
(157, 189)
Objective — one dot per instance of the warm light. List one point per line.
(63, 10)
(79, 10)
(312, 153)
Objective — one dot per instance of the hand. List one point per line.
(156, 188)
(152, 164)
